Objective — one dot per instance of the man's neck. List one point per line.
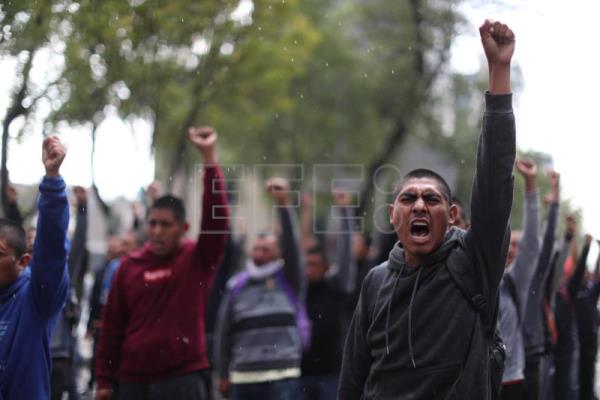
(412, 260)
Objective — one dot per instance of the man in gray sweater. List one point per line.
(262, 325)
(520, 265)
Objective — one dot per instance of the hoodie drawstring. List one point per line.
(412, 297)
(387, 316)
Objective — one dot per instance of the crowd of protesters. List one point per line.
(450, 305)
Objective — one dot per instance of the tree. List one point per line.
(26, 27)
(181, 63)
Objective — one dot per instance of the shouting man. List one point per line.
(425, 321)
(152, 344)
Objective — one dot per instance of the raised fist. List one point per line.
(53, 154)
(80, 195)
(279, 189)
(204, 139)
(498, 42)
(571, 225)
(153, 190)
(11, 194)
(527, 168)
(554, 179)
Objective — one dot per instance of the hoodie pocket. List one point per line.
(432, 383)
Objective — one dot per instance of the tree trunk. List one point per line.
(15, 111)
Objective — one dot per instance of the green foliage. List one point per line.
(181, 63)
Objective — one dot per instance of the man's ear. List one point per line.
(390, 210)
(186, 227)
(23, 262)
(452, 214)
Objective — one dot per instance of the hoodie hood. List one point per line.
(400, 268)
(14, 287)
(451, 240)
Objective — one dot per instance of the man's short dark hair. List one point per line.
(15, 236)
(169, 202)
(424, 173)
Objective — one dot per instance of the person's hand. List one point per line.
(53, 154)
(498, 42)
(80, 195)
(103, 394)
(279, 189)
(153, 190)
(224, 387)
(528, 170)
(499, 45)
(342, 198)
(554, 186)
(571, 226)
(204, 139)
(11, 194)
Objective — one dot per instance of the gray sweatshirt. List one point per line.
(533, 323)
(256, 327)
(519, 275)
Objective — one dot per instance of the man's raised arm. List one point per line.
(49, 277)
(279, 190)
(344, 276)
(492, 193)
(214, 226)
(529, 244)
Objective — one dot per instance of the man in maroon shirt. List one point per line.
(153, 341)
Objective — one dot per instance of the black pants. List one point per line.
(565, 384)
(587, 371)
(62, 379)
(59, 377)
(184, 387)
(532, 380)
(513, 391)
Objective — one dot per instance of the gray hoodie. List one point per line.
(519, 275)
(414, 334)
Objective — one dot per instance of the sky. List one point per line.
(556, 110)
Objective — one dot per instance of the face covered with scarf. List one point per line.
(421, 216)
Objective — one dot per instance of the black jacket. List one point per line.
(414, 335)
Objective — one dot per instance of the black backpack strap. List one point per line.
(466, 282)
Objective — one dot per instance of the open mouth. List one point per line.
(419, 229)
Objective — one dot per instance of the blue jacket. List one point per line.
(29, 306)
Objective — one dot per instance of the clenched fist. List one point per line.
(498, 42)
(528, 169)
(279, 189)
(204, 139)
(53, 154)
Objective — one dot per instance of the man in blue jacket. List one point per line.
(32, 294)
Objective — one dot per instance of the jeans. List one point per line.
(285, 389)
(184, 387)
(319, 387)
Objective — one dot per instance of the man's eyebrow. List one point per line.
(409, 192)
